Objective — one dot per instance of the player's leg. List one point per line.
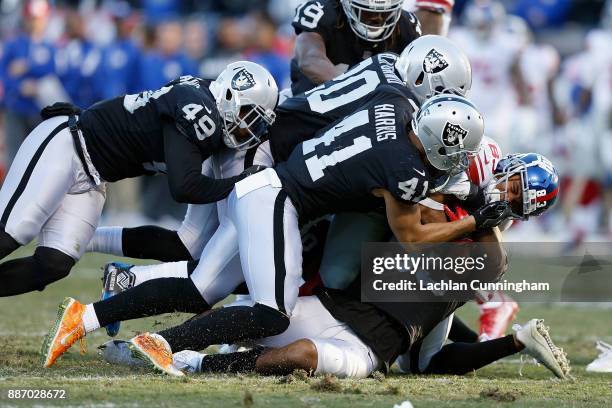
(45, 169)
(341, 262)
(153, 297)
(153, 242)
(314, 341)
(271, 255)
(418, 359)
(461, 358)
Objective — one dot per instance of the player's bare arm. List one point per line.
(312, 59)
(405, 222)
(431, 22)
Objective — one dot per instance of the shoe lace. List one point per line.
(524, 359)
(560, 355)
(82, 346)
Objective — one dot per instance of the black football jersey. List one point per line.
(326, 18)
(300, 117)
(124, 135)
(337, 170)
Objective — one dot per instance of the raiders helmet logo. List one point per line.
(434, 62)
(243, 80)
(453, 135)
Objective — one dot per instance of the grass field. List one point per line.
(89, 381)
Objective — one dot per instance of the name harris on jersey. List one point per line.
(384, 116)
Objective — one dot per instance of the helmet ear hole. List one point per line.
(228, 95)
(419, 79)
(442, 151)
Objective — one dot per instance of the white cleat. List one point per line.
(603, 362)
(538, 344)
(117, 352)
(188, 361)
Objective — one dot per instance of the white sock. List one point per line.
(163, 270)
(90, 320)
(107, 240)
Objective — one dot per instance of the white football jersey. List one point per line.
(482, 166)
(539, 63)
(491, 62)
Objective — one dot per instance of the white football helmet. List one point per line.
(433, 64)
(246, 96)
(450, 129)
(373, 20)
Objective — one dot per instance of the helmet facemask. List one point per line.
(360, 13)
(237, 115)
(515, 166)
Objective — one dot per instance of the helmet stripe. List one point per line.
(448, 97)
(548, 196)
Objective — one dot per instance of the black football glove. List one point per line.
(492, 214)
(252, 170)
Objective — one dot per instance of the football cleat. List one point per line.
(67, 329)
(603, 362)
(117, 278)
(118, 352)
(155, 351)
(188, 361)
(538, 344)
(496, 315)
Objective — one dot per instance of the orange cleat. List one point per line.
(154, 350)
(68, 328)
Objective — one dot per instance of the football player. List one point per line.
(430, 65)
(363, 161)
(333, 35)
(55, 189)
(498, 83)
(334, 333)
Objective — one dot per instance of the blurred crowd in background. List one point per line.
(542, 76)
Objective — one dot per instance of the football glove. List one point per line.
(492, 214)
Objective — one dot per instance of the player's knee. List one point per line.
(53, 265)
(270, 320)
(302, 354)
(7, 243)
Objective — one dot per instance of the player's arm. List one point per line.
(520, 84)
(311, 56)
(432, 15)
(431, 22)
(184, 167)
(405, 222)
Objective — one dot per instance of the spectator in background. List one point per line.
(231, 40)
(166, 61)
(265, 50)
(26, 59)
(77, 61)
(196, 40)
(118, 71)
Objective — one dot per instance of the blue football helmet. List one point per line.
(539, 180)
